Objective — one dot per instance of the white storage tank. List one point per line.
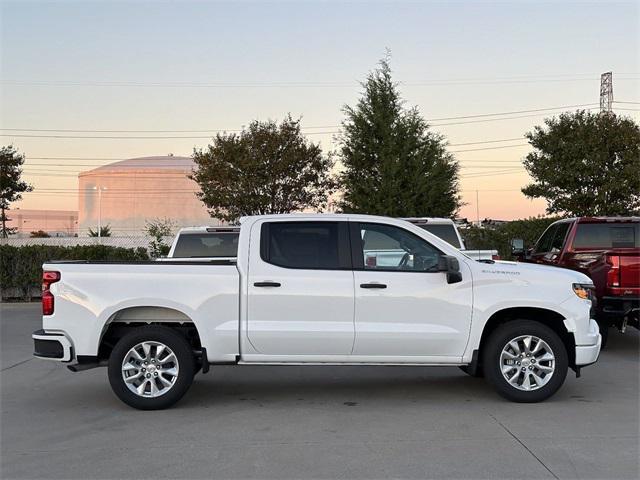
(127, 193)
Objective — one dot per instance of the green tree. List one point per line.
(158, 229)
(393, 164)
(585, 164)
(11, 185)
(267, 168)
(104, 231)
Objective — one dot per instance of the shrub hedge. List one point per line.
(21, 267)
(500, 236)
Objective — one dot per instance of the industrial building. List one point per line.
(55, 223)
(126, 194)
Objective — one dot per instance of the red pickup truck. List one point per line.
(607, 249)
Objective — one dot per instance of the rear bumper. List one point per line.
(588, 354)
(618, 307)
(52, 346)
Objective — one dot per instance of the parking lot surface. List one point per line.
(314, 422)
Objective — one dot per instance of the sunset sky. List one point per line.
(187, 69)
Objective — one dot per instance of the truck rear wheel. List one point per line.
(151, 368)
(525, 361)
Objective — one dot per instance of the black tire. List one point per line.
(493, 349)
(176, 343)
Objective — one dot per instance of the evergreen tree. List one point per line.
(393, 164)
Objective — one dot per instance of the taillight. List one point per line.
(495, 257)
(47, 297)
(613, 275)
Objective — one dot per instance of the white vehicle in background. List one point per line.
(303, 291)
(221, 243)
(204, 244)
(446, 229)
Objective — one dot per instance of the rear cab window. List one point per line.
(607, 235)
(206, 244)
(446, 232)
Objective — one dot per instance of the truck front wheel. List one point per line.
(525, 361)
(151, 367)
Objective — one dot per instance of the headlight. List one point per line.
(584, 290)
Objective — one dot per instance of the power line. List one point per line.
(527, 78)
(512, 112)
(481, 115)
(211, 130)
(122, 159)
(490, 148)
(27, 167)
(93, 137)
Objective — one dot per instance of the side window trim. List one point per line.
(344, 248)
(357, 249)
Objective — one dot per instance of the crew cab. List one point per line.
(303, 291)
(607, 250)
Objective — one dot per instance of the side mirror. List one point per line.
(517, 246)
(450, 264)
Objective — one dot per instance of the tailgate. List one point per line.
(630, 271)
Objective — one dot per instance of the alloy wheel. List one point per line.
(150, 369)
(527, 362)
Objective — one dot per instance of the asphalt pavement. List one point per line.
(314, 422)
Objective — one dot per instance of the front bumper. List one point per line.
(588, 354)
(52, 346)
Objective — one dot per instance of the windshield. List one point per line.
(446, 232)
(218, 244)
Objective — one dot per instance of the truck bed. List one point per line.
(91, 295)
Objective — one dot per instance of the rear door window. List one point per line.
(607, 235)
(218, 244)
(306, 245)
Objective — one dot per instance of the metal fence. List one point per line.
(132, 241)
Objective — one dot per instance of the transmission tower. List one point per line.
(606, 92)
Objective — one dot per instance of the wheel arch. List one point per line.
(545, 316)
(126, 319)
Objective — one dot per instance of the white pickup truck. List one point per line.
(304, 291)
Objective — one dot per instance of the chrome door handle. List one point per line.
(266, 284)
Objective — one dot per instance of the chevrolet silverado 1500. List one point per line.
(305, 290)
